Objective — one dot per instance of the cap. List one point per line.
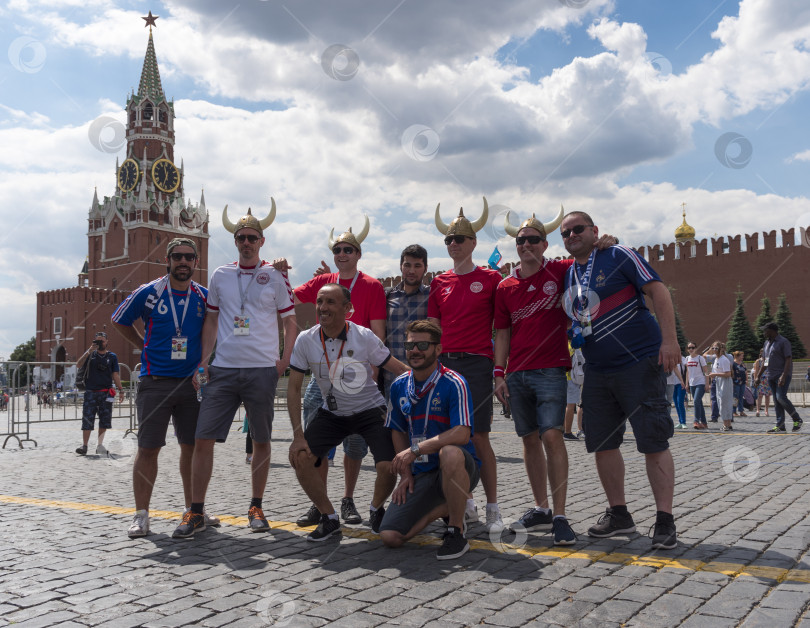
(771, 325)
(181, 242)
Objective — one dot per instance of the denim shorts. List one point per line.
(537, 399)
(95, 402)
(637, 394)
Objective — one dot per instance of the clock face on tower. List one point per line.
(165, 175)
(128, 175)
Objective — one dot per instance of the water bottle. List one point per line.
(203, 380)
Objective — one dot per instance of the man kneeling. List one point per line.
(340, 355)
(430, 416)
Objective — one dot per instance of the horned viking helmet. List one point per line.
(249, 220)
(348, 237)
(461, 225)
(533, 223)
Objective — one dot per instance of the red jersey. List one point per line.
(464, 306)
(368, 296)
(532, 307)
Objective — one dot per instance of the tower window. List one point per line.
(148, 112)
(57, 325)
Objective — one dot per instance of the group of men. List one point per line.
(427, 420)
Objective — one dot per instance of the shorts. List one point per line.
(226, 389)
(574, 392)
(537, 399)
(354, 446)
(159, 400)
(636, 393)
(427, 495)
(95, 401)
(477, 370)
(327, 430)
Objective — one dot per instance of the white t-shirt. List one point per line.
(721, 365)
(347, 374)
(694, 369)
(267, 294)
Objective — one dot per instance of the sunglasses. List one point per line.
(250, 238)
(189, 257)
(577, 230)
(691, 347)
(458, 239)
(530, 239)
(422, 345)
(346, 250)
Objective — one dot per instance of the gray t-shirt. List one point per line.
(776, 353)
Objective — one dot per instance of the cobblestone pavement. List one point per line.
(741, 505)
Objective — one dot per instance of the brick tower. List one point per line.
(128, 231)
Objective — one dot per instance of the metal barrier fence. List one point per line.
(32, 400)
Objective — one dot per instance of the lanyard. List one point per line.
(243, 291)
(326, 355)
(414, 397)
(179, 326)
(586, 279)
(354, 281)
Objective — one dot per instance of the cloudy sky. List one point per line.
(623, 108)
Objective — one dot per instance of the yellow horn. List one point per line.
(227, 223)
(364, 232)
(332, 239)
(270, 217)
(482, 221)
(510, 229)
(439, 224)
(551, 226)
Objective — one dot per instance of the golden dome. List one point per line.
(684, 233)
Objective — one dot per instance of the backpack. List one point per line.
(83, 372)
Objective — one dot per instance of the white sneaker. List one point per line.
(248, 459)
(494, 522)
(140, 524)
(101, 450)
(471, 514)
(210, 520)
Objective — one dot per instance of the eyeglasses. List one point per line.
(189, 257)
(458, 239)
(422, 345)
(250, 238)
(577, 230)
(346, 250)
(530, 239)
(101, 334)
(691, 347)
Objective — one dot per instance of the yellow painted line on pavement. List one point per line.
(657, 561)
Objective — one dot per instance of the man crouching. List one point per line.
(430, 416)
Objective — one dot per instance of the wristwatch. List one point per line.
(415, 450)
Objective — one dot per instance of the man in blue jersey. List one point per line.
(172, 309)
(430, 416)
(627, 353)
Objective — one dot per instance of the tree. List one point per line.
(26, 352)
(740, 335)
(786, 328)
(765, 316)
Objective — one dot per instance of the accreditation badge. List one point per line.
(415, 440)
(241, 326)
(179, 347)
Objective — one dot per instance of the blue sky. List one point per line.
(623, 108)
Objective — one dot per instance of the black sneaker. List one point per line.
(610, 523)
(563, 534)
(192, 522)
(326, 528)
(348, 512)
(375, 519)
(82, 451)
(569, 436)
(453, 545)
(533, 520)
(797, 425)
(664, 536)
(312, 518)
(777, 430)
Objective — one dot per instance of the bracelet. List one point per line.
(498, 371)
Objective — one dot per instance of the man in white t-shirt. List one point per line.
(341, 356)
(244, 300)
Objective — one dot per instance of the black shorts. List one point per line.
(636, 394)
(327, 430)
(477, 370)
(157, 401)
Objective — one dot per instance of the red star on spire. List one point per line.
(150, 20)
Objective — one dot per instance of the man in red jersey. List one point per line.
(368, 310)
(462, 302)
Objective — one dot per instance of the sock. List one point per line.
(493, 506)
(620, 510)
(142, 511)
(540, 509)
(371, 508)
(256, 501)
(664, 517)
(333, 516)
(470, 504)
(197, 508)
(559, 517)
